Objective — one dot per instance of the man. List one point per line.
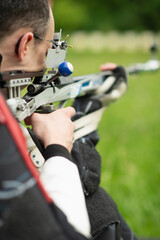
(23, 46)
(26, 31)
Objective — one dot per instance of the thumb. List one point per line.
(69, 111)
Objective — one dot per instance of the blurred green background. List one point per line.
(107, 15)
(130, 127)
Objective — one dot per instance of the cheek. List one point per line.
(40, 55)
(41, 59)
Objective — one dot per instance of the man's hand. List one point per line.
(55, 127)
(108, 66)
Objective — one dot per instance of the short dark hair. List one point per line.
(16, 14)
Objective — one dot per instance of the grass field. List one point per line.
(130, 142)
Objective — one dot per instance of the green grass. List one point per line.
(130, 142)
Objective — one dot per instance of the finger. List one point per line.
(69, 111)
(29, 120)
(108, 66)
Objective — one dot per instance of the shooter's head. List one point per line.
(23, 27)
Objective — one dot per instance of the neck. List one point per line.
(7, 66)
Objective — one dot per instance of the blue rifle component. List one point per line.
(65, 69)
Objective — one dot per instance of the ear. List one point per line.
(25, 45)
